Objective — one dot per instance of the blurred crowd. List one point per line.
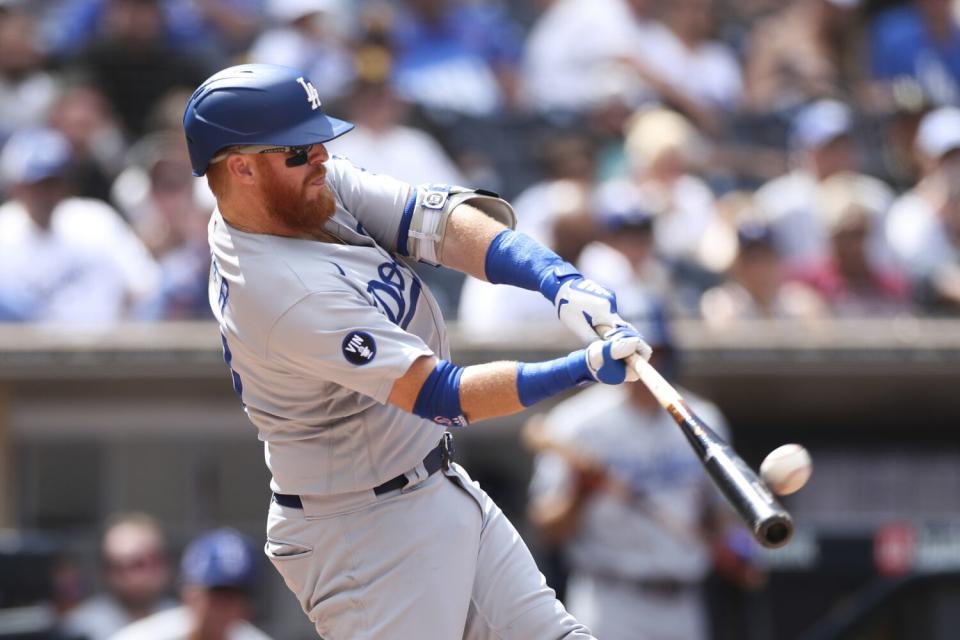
(215, 588)
(739, 158)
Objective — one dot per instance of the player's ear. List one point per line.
(240, 168)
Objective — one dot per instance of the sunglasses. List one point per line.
(299, 154)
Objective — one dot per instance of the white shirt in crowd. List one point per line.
(100, 617)
(708, 74)
(571, 56)
(916, 236)
(87, 268)
(176, 624)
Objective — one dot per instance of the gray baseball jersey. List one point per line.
(316, 333)
(647, 451)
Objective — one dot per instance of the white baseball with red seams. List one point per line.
(786, 469)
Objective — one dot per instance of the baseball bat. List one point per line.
(770, 524)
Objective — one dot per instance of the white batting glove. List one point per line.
(583, 305)
(605, 358)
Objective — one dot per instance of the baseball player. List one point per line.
(339, 355)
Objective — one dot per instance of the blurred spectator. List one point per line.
(26, 90)
(617, 487)
(63, 259)
(851, 283)
(756, 285)
(809, 49)
(554, 211)
(632, 58)
(82, 115)
(308, 35)
(920, 40)
(662, 148)
(923, 226)
(690, 70)
(562, 78)
(898, 162)
(457, 56)
(132, 43)
(821, 145)
(136, 574)
(169, 209)
(381, 142)
(624, 257)
(218, 575)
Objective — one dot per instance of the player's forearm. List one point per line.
(490, 391)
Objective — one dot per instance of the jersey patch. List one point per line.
(359, 348)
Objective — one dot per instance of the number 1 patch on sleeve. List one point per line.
(359, 348)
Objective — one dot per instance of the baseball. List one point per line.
(786, 469)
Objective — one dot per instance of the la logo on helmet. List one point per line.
(313, 96)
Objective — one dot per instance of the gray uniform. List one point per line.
(635, 565)
(315, 335)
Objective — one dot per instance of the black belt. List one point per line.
(440, 457)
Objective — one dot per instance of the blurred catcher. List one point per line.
(617, 487)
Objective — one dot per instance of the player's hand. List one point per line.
(583, 305)
(605, 358)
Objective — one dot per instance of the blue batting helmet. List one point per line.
(253, 104)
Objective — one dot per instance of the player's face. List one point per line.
(298, 197)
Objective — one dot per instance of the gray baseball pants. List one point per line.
(437, 560)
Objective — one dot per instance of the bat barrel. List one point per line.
(770, 524)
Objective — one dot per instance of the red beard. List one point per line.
(291, 206)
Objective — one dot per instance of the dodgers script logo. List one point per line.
(313, 96)
(359, 347)
(390, 293)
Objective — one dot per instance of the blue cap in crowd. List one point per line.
(32, 155)
(619, 206)
(754, 234)
(221, 558)
(819, 123)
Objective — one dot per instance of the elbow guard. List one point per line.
(439, 397)
(424, 221)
